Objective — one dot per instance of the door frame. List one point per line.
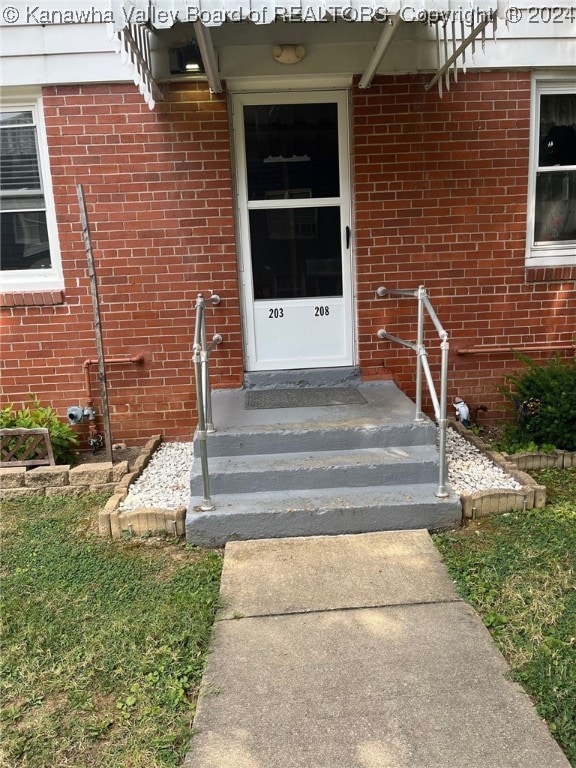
(340, 97)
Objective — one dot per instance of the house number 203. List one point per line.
(274, 314)
(321, 311)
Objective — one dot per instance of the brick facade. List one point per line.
(439, 196)
(440, 200)
(159, 199)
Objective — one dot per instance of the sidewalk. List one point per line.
(355, 652)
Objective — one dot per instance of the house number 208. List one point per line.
(321, 311)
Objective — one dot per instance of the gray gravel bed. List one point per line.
(165, 481)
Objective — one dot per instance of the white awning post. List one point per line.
(208, 54)
(383, 44)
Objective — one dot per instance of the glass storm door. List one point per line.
(293, 192)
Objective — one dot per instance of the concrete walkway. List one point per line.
(355, 652)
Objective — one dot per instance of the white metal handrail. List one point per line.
(201, 359)
(422, 367)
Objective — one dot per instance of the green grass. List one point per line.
(103, 643)
(519, 573)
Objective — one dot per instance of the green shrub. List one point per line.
(33, 415)
(511, 442)
(544, 398)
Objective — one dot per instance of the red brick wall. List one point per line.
(440, 200)
(158, 192)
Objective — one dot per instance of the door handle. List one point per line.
(348, 236)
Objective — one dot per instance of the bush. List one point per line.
(544, 398)
(32, 416)
(512, 442)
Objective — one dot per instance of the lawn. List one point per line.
(103, 643)
(519, 572)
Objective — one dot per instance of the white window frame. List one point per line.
(30, 280)
(546, 254)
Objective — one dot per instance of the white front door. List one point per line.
(292, 162)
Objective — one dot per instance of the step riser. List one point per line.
(279, 441)
(214, 530)
(319, 477)
(303, 377)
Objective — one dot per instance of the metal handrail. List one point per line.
(201, 359)
(422, 367)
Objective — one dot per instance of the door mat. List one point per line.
(302, 397)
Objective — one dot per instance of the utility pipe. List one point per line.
(86, 365)
(95, 439)
(487, 348)
(137, 360)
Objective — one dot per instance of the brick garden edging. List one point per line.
(116, 523)
(496, 501)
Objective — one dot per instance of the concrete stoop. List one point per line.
(319, 471)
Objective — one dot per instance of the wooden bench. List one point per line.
(26, 448)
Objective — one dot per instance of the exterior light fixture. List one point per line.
(288, 54)
(186, 60)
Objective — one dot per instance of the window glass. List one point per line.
(23, 228)
(555, 218)
(296, 252)
(292, 151)
(555, 204)
(557, 129)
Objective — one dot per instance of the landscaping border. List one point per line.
(116, 523)
(60, 479)
(102, 477)
(558, 459)
(499, 500)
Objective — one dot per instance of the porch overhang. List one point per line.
(458, 26)
(162, 14)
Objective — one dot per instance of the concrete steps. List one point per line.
(318, 469)
(321, 512)
(286, 438)
(323, 470)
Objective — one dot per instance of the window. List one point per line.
(30, 258)
(552, 189)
